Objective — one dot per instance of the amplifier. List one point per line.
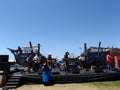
(4, 58)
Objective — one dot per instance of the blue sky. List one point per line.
(59, 25)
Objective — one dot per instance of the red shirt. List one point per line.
(109, 59)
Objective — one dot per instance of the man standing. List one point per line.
(29, 62)
(66, 59)
(109, 59)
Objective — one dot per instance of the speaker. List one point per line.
(4, 58)
(5, 66)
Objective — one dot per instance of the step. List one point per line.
(15, 77)
(13, 80)
(10, 86)
(12, 83)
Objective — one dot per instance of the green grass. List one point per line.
(106, 83)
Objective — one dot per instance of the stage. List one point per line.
(21, 77)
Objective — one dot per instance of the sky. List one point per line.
(59, 25)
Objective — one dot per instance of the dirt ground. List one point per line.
(67, 87)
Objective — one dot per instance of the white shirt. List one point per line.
(82, 58)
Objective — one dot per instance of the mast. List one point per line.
(85, 47)
(38, 49)
(31, 47)
(99, 48)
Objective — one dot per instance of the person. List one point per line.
(66, 59)
(109, 59)
(29, 62)
(41, 61)
(45, 73)
(49, 61)
(81, 60)
(35, 62)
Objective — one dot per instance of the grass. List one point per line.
(108, 85)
